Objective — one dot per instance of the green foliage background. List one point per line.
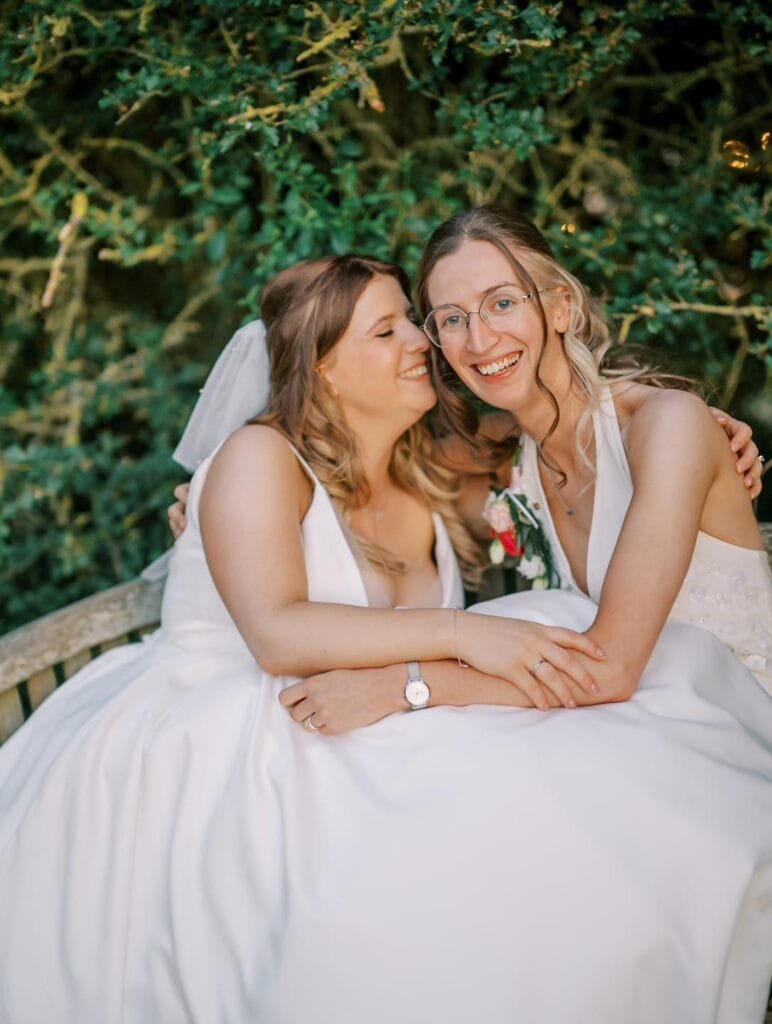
(218, 142)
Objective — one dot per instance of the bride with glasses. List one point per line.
(195, 828)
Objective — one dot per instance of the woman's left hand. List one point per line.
(741, 438)
(344, 699)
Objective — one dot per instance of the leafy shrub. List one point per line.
(160, 160)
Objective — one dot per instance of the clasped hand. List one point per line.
(537, 659)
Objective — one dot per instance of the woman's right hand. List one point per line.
(537, 659)
(176, 513)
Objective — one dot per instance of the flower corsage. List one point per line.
(517, 535)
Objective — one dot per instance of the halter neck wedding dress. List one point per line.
(174, 849)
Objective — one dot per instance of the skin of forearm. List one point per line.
(618, 675)
(306, 638)
(455, 686)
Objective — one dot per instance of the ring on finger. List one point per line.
(309, 724)
(536, 667)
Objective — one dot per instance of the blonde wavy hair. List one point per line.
(587, 341)
(306, 309)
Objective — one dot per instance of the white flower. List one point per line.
(496, 512)
(541, 583)
(532, 567)
(496, 552)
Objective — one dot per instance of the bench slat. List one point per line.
(68, 633)
(11, 713)
(40, 686)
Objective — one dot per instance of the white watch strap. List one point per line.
(413, 672)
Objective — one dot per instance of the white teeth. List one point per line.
(499, 365)
(417, 371)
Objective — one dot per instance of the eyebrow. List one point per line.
(501, 284)
(389, 316)
(380, 320)
(486, 291)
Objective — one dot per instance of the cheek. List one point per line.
(367, 378)
(453, 360)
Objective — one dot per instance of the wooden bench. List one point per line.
(37, 658)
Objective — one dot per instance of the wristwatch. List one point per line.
(416, 690)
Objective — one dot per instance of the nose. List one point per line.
(416, 340)
(480, 337)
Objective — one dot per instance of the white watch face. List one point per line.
(417, 693)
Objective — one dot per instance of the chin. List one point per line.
(508, 395)
(424, 402)
(417, 413)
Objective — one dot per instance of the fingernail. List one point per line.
(572, 703)
(595, 689)
(601, 652)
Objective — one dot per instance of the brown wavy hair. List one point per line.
(587, 340)
(306, 309)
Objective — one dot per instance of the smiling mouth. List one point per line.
(415, 372)
(498, 366)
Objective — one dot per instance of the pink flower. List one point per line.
(497, 514)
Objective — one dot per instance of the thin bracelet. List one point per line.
(456, 610)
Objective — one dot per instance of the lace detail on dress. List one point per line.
(728, 590)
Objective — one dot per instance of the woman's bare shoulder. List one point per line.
(257, 457)
(638, 404)
(668, 423)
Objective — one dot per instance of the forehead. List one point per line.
(382, 296)
(466, 274)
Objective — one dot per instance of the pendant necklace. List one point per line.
(568, 511)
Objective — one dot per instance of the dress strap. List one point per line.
(309, 472)
(613, 492)
(608, 440)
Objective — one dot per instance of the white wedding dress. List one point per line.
(174, 849)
